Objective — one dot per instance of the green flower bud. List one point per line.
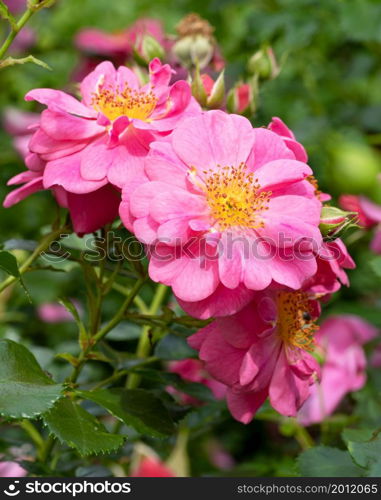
(194, 50)
(198, 89)
(334, 222)
(263, 64)
(151, 48)
(217, 95)
(182, 50)
(201, 51)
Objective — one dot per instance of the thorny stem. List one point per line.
(143, 348)
(105, 330)
(32, 8)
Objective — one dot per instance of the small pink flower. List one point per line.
(51, 312)
(192, 370)
(120, 44)
(84, 150)
(152, 467)
(227, 210)
(265, 350)
(340, 338)
(117, 47)
(11, 469)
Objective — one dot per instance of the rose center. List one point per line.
(129, 102)
(235, 198)
(295, 324)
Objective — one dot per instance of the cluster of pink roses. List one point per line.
(229, 215)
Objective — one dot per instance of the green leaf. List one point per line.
(375, 469)
(323, 461)
(70, 307)
(146, 413)
(76, 427)
(25, 390)
(204, 416)
(8, 263)
(136, 408)
(365, 449)
(172, 347)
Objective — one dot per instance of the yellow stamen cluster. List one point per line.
(295, 323)
(312, 180)
(234, 197)
(129, 102)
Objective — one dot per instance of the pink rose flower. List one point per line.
(11, 469)
(265, 350)
(340, 339)
(193, 370)
(226, 211)
(84, 150)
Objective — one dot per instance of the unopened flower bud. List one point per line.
(201, 51)
(263, 64)
(182, 50)
(151, 48)
(216, 93)
(199, 91)
(196, 45)
(241, 99)
(194, 50)
(334, 222)
(208, 83)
